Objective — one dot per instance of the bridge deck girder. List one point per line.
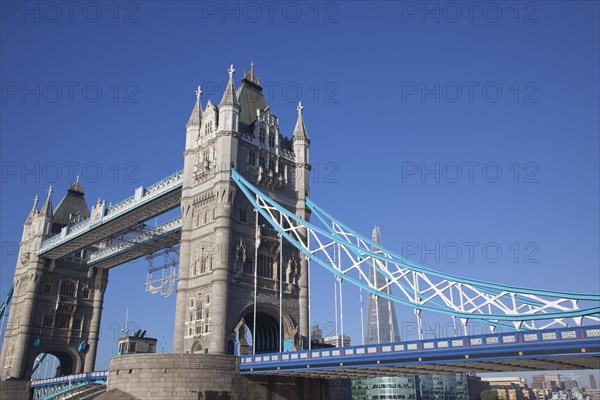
(158, 238)
(136, 215)
(575, 362)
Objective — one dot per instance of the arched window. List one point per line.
(265, 266)
(272, 139)
(263, 133)
(61, 320)
(243, 217)
(67, 288)
(248, 266)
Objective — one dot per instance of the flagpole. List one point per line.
(256, 244)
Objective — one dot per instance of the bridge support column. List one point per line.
(100, 282)
(181, 305)
(15, 390)
(21, 338)
(208, 376)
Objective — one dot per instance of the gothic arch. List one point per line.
(197, 347)
(267, 327)
(71, 362)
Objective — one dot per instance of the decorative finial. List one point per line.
(231, 71)
(251, 66)
(198, 92)
(50, 191)
(300, 107)
(35, 201)
(77, 180)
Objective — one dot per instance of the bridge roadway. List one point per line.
(143, 205)
(551, 349)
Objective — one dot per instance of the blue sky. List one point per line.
(502, 100)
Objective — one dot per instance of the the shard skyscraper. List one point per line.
(382, 325)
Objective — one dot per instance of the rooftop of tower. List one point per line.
(71, 205)
(250, 98)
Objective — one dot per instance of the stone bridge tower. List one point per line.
(220, 247)
(56, 307)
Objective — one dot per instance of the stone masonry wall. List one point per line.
(208, 377)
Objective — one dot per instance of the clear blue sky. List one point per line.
(389, 89)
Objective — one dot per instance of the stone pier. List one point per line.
(207, 377)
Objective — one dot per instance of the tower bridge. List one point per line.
(247, 231)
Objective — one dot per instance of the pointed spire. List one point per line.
(196, 116)
(250, 76)
(229, 97)
(76, 186)
(376, 235)
(300, 129)
(34, 211)
(46, 210)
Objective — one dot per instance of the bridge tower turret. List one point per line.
(56, 305)
(301, 145)
(223, 243)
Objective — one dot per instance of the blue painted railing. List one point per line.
(163, 186)
(420, 348)
(4, 305)
(86, 376)
(46, 389)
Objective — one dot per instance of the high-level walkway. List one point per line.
(105, 222)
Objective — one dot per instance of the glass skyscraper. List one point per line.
(382, 327)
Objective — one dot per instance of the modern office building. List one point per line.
(443, 387)
(336, 341)
(389, 387)
(412, 387)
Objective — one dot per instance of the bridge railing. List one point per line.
(591, 333)
(145, 195)
(86, 376)
(153, 233)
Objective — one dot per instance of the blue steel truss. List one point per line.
(5, 303)
(419, 287)
(45, 389)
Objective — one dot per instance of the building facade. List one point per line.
(389, 387)
(507, 388)
(412, 387)
(56, 306)
(224, 241)
(336, 341)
